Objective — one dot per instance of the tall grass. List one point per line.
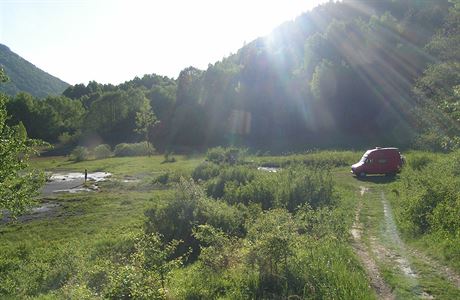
(428, 202)
(312, 159)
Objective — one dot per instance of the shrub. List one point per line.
(261, 191)
(66, 138)
(301, 185)
(169, 158)
(205, 171)
(419, 161)
(433, 140)
(79, 154)
(240, 175)
(102, 151)
(220, 155)
(167, 178)
(135, 149)
(188, 208)
(431, 197)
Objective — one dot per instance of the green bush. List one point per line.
(66, 138)
(436, 141)
(276, 260)
(239, 175)
(190, 207)
(419, 161)
(220, 155)
(102, 151)
(205, 171)
(135, 149)
(430, 197)
(79, 153)
(427, 205)
(167, 178)
(169, 158)
(260, 191)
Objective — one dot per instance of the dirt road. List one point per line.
(395, 270)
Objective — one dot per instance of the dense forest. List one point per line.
(25, 77)
(351, 73)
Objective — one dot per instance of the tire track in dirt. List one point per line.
(390, 250)
(399, 255)
(391, 232)
(444, 271)
(378, 284)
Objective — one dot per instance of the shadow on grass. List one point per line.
(379, 179)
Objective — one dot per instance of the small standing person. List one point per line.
(86, 175)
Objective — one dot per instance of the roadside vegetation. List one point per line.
(427, 204)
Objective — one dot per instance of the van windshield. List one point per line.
(363, 159)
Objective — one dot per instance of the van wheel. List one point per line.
(362, 174)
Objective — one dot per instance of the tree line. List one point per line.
(352, 73)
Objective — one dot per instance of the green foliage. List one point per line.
(419, 161)
(145, 120)
(276, 260)
(21, 130)
(431, 197)
(437, 90)
(134, 149)
(273, 238)
(102, 151)
(66, 138)
(219, 251)
(112, 115)
(46, 118)
(3, 77)
(314, 159)
(205, 171)
(147, 273)
(167, 178)
(190, 207)
(346, 83)
(238, 251)
(220, 155)
(238, 175)
(169, 158)
(436, 141)
(18, 184)
(79, 153)
(286, 189)
(427, 203)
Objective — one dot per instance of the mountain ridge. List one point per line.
(26, 77)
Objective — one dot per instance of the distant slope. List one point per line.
(25, 77)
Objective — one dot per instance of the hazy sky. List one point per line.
(112, 41)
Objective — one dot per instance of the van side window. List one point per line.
(382, 161)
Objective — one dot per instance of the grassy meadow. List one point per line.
(214, 226)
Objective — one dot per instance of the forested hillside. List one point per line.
(351, 73)
(25, 77)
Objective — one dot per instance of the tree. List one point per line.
(17, 185)
(3, 77)
(145, 120)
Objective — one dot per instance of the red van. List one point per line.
(387, 161)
